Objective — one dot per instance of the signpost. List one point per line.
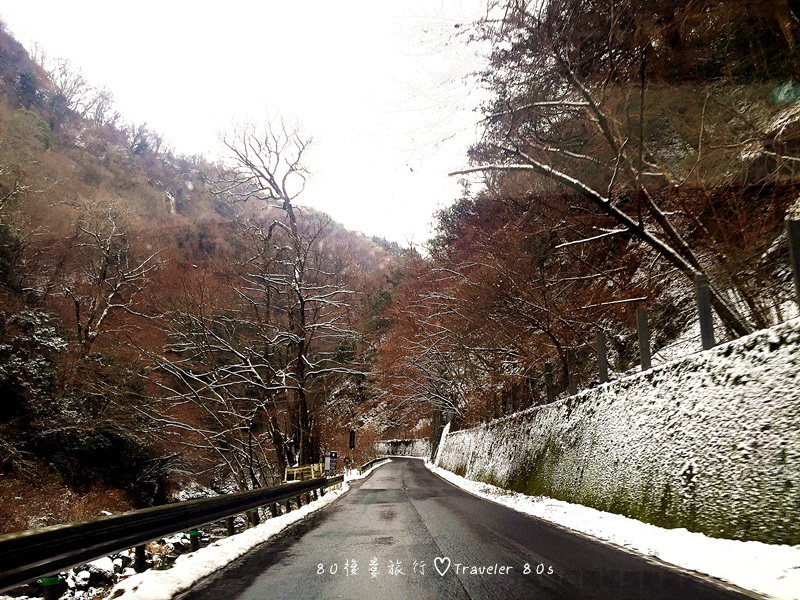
(330, 461)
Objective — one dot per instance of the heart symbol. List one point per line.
(445, 562)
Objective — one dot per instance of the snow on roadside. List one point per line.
(353, 474)
(763, 568)
(190, 568)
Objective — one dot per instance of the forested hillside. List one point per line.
(166, 321)
(630, 147)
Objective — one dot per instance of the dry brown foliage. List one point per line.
(34, 503)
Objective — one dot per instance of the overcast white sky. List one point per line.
(382, 87)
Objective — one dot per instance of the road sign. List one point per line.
(330, 462)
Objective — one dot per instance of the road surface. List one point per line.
(406, 533)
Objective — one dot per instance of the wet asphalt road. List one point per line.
(386, 539)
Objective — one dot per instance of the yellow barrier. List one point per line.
(303, 473)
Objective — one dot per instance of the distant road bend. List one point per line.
(406, 533)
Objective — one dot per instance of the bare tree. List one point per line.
(255, 365)
(267, 163)
(249, 351)
(69, 82)
(421, 361)
(216, 380)
(102, 112)
(106, 278)
(502, 292)
(616, 102)
(10, 187)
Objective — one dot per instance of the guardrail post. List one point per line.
(273, 509)
(548, 380)
(229, 526)
(288, 506)
(572, 386)
(139, 560)
(255, 518)
(51, 587)
(321, 492)
(194, 538)
(793, 236)
(704, 311)
(602, 358)
(299, 501)
(644, 339)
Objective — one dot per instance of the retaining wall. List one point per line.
(710, 443)
(421, 448)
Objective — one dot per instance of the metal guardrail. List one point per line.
(30, 555)
(368, 464)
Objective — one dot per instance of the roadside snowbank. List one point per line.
(191, 568)
(762, 568)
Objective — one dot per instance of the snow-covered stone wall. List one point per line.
(710, 443)
(421, 448)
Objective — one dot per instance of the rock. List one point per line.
(82, 579)
(178, 543)
(68, 579)
(101, 571)
(126, 560)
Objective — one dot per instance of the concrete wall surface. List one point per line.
(421, 448)
(710, 443)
